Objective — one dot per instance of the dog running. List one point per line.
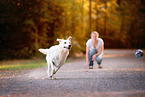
(56, 55)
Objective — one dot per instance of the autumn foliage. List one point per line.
(26, 25)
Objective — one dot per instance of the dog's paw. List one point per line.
(51, 77)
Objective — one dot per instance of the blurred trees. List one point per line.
(136, 32)
(26, 25)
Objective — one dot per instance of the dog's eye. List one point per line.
(64, 42)
(69, 42)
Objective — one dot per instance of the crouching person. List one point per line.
(94, 50)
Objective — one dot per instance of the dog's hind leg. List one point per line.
(56, 70)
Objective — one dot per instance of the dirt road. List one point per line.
(123, 75)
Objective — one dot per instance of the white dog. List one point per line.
(56, 55)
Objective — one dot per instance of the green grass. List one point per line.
(22, 64)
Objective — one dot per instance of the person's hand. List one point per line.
(86, 65)
(94, 57)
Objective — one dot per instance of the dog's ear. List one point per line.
(58, 40)
(69, 38)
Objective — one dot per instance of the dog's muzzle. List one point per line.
(69, 47)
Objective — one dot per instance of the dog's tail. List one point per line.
(44, 51)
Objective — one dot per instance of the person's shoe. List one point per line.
(90, 67)
(100, 66)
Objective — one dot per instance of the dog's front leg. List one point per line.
(49, 70)
(52, 70)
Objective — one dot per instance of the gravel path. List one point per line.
(123, 75)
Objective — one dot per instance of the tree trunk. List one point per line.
(36, 39)
(105, 18)
(97, 26)
(73, 17)
(82, 18)
(90, 16)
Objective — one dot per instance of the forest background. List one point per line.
(27, 25)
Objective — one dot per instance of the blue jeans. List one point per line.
(98, 59)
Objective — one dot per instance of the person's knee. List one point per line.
(99, 61)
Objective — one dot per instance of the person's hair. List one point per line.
(95, 32)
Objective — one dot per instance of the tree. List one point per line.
(90, 16)
(27, 25)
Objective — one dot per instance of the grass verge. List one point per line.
(11, 68)
(22, 64)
